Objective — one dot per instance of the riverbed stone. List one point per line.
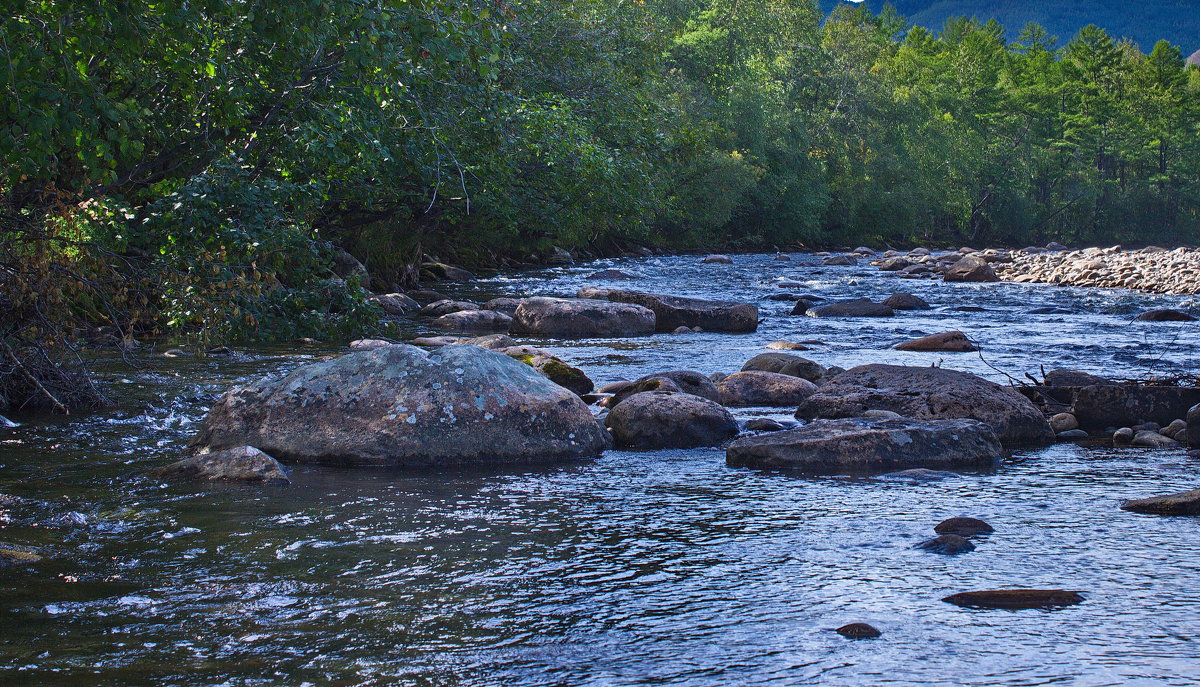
(468, 321)
(447, 306)
(785, 364)
(930, 393)
(859, 307)
(668, 419)
(402, 406)
(582, 318)
(1150, 439)
(947, 544)
(945, 342)
(675, 311)
(870, 446)
(1014, 599)
(963, 526)
(894, 264)
(858, 631)
(970, 269)
(1071, 435)
(240, 464)
(1183, 503)
(1063, 422)
(508, 306)
(1164, 316)
(906, 301)
(760, 389)
(717, 260)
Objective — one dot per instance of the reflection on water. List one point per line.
(635, 568)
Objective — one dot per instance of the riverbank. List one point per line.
(1152, 269)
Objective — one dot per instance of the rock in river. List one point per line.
(947, 544)
(963, 527)
(401, 406)
(472, 321)
(747, 389)
(1124, 405)
(946, 342)
(1183, 503)
(673, 312)
(858, 446)
(858, 631)
(669, 419)
(859, 307)
(581, 318)
(1164, 316)
(972, 269)
(241, 464)
(905, 301)
(930, 393)
(785, 364)
(1014, 599)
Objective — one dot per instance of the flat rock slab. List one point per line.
(1015, 599)
(1183, 503)
(400, 406)
(577, 318)
(929, 393)
(870, 446)
(673, 312)
(860, 307)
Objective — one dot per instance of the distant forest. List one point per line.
(201, 169)
(1144, 21)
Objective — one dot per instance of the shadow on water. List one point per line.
(633, 568)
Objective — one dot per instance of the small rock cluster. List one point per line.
(1152, 269)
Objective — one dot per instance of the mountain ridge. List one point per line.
(1144, 22)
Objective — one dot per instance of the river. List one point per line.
(663, 568)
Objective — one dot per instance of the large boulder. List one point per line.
(673, 312)
(401, 406)
(574, 318)
(972, 269)
(669, 419)
(870, 446)
(764, 389)
(930, 393)
(946, 342)
(785, 364)
(240, 464)
(395, 304)
(859, 307)
(1123, 405)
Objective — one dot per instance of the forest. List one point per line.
(194, 170)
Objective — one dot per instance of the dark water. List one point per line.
(632, 569)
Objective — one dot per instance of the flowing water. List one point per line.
(657, 568)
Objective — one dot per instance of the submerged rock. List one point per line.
(717, 260)
(582, 318)
(673, 312)
(929, 393)
(947, 544)
(667, 419)
(241, 464)
(857, 446)
(785, 364)
(858, 631)
(1183, 503)
(1164, 316)
(963, 527)
(1016, 598)
(13, 556)
(946, 342)
(765, 424)
(747, 389)
(615, 274)
(401, 406)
